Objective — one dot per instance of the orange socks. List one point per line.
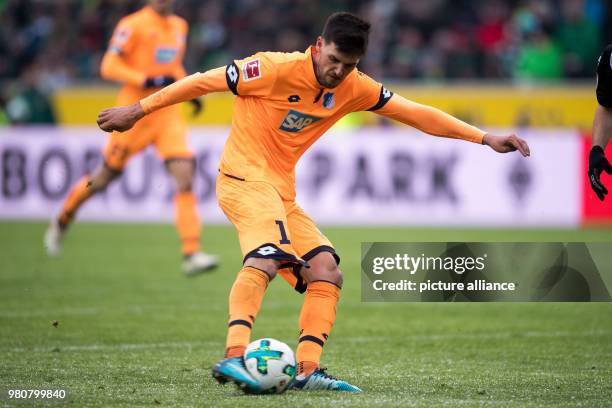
(316, 320)
(234, 351)
(79, 193)
(306, 367)
(187, 222)
(244, 303)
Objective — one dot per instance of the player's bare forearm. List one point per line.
(602, 126)
(506, 144)
(120, 119)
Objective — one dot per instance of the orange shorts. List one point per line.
(165, 129)
(269, 227)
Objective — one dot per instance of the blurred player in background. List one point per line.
(146, 54)
(285, 102)
(602, 124)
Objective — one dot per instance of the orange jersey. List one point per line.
(281, 110)
(144, 44)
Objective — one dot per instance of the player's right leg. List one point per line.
(245, 300)
(119, 149)
(257, 212)
(84, 189)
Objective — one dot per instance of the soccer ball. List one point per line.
(271, 363)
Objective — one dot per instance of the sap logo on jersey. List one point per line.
(165, 55)
(296, 121)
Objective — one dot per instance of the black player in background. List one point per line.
(602, 124)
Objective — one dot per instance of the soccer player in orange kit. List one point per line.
(146, 54)
(285, 102)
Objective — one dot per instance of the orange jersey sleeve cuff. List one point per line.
(430, 120)
(186, 89)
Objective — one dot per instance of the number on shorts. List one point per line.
(284, 239)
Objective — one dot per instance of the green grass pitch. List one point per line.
(134, 332)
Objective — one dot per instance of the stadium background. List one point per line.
(132, 331)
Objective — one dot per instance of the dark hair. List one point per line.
(348, 32)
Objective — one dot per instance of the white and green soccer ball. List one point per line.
(271, 363)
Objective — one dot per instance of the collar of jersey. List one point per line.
(154, 14)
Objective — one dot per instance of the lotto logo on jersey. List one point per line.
(296, 121)
(251, 70)
(165, 55)
(267, 250)
(386, 94)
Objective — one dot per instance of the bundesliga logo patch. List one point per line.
(122, 35)
(251, 70)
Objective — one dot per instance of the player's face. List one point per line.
(332, 66)
(163, 7)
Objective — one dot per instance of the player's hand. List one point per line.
(597, 165)
(197, 105)
(120, 119)
(506, 144)
(158, 81)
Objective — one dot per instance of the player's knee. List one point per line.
(269, 266)
(101, 179)
(183, 179)
(184, 185)
(335, 276)
(182, 170)
(323, 267)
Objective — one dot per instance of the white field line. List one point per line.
(116, 347)
(349, 340)
(78, 311)
(38, 313)
(135, 309)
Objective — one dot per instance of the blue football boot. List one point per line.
(320, 380)
(233, 369)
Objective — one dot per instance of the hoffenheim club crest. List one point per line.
(328, 100)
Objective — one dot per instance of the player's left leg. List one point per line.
(172, 147)
(323, 281)
(187, 218)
